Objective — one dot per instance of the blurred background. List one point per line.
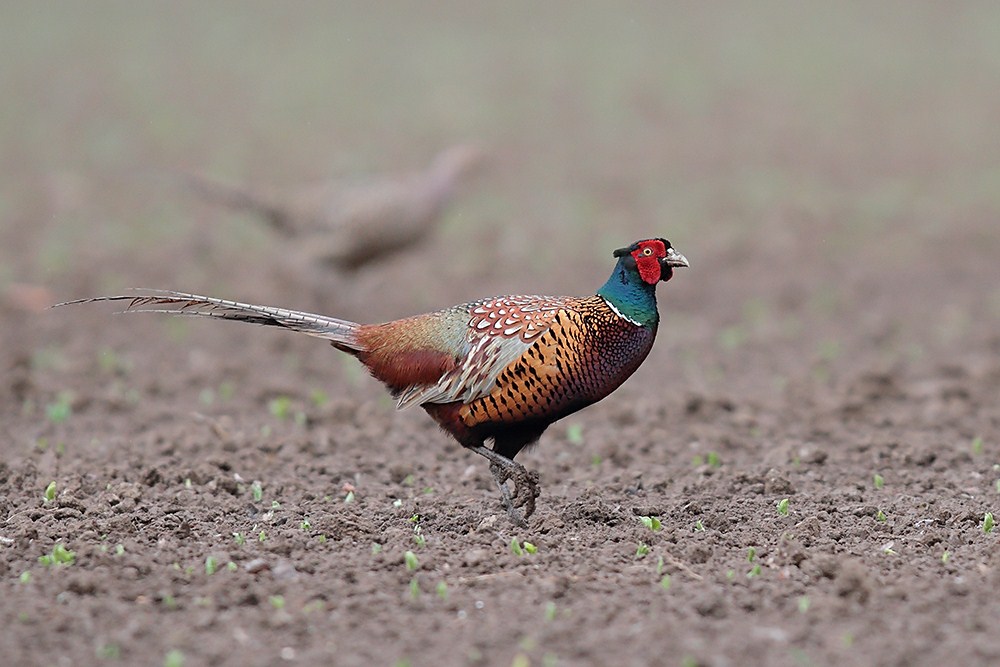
(831, 170)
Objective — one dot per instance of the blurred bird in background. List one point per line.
(346, 225)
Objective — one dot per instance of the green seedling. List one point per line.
(411, 561)
(642, 550)
(257, 491)
(659, 566)
(262, 536)
(880, 516)
(173, 658)
(804, 604)
(751, 554)
(319, 398)
(305, 525)
(25, 577)
(550, 610)
(530, 548)
(61, 409)
(60, 556)
(442, 590)
(109, 652)
(119, 549)
(651, 522)
(596, 460)
(998, 485)
(376, 548)
(977, 446)
(515, 547)
(755, 571)
(275, 505)
(988, 522)
(699, 527)
(665, 582)
(50, 492)
(277, 601)
(210, 565)
(321, 538)
(878, 481)
(349, 498)
(231, 566)
(713, 459)
(945, 557)
(414, 588)
(574, 433)
(783, 507)
(280, 407)
(240, 539)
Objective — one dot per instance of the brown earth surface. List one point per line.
(835, 344)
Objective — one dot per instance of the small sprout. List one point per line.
(412, 563)
(277, 601)
(408, 480)
(998, 485)
(226, 389)
(61, 409)
(419, 539)
(988, 522)
(428, 490)
(697, 461)
(231, 566)
(322, 538)
(530, 548)
(319, 398)
(376, 548)
(641, 550)
(783, 507)
(280, 406)
(659, 565)
(25, 577)
(262, 536)
(751, 554)
(699, 527)
(174, 658)
(651, 522)
(442, 590)
(520, 660)
(754, 572)
(574, 433)
(206, 396)
(880, 516)
(730, 574)
(300, 418)
(665, 582)
(210, 565)
(550, 610)
(713, 460)
(257, 491)
(945, 557)
(349, 498)
(275, 505)
(305, 525)
(415, 518)
(50, 492)
(515, 547)
(804, 604)
(240, 539)
(977, 445)
(109, 652)
(878, 481)
(119, 549)
(596, 460)
(414, 588)
(60, 556)
(187, 483)
(887, 549)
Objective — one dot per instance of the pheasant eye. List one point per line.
(647, 251)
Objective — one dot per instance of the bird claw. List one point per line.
(525, 491)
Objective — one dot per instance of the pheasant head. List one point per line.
(631, 289)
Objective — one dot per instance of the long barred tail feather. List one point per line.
(341, 332)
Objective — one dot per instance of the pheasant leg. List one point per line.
(525, 485)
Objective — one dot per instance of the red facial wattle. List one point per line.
(647, 260)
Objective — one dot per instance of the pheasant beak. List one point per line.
(674, 259)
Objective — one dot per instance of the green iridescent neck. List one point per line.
(630, 295)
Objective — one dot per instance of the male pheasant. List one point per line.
(500, 369)
(346, 225)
